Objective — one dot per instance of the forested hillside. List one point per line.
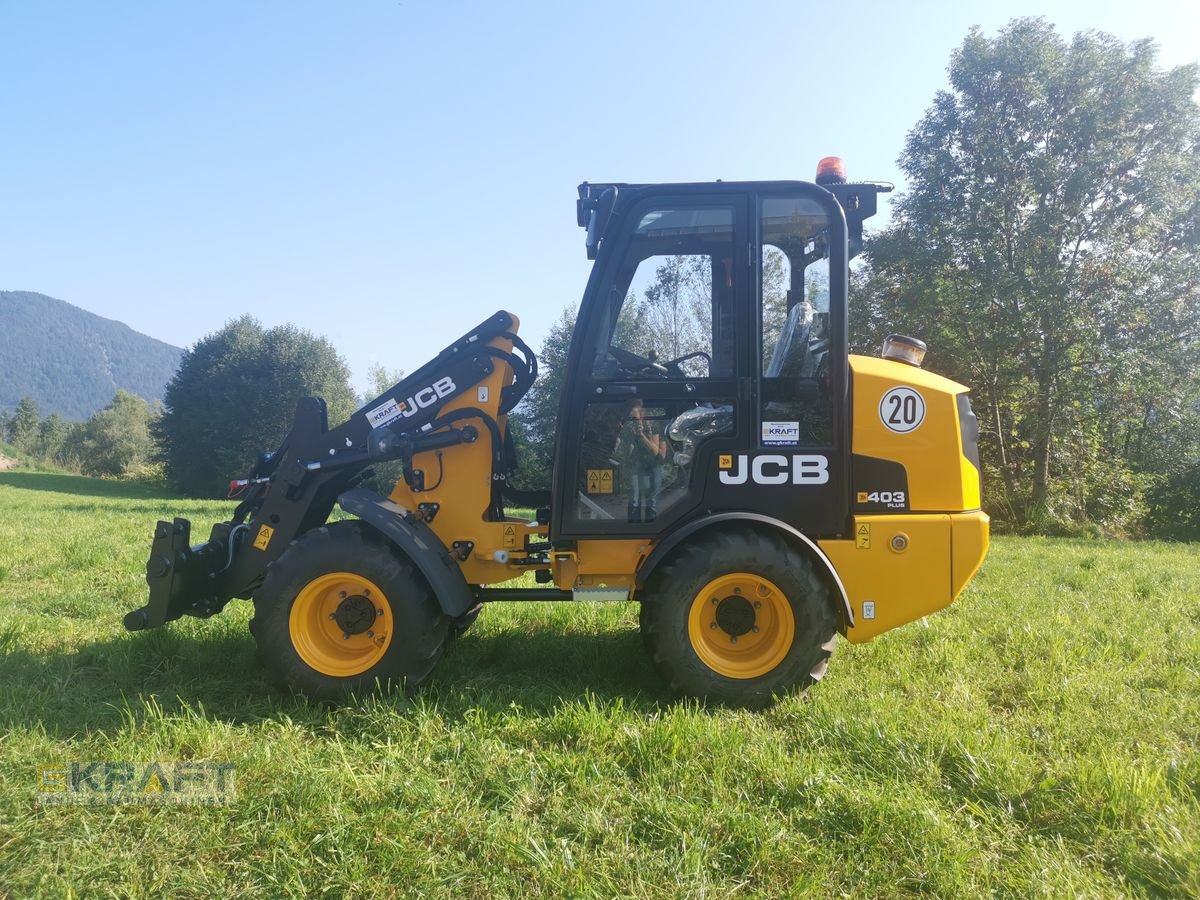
(71, 361)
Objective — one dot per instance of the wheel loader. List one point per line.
(720, 459)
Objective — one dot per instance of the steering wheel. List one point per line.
(640, 365)
(672, 365)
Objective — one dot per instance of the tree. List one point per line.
(117, 440)
(235, 395)
(672, 314)
(1047, 250)
(382, 378)
(677, 306)
(23, 426)
(53, 434)
(534, 423)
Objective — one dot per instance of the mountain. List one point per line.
(72, 361)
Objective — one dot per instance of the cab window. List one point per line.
(794, 319)
(670, 310)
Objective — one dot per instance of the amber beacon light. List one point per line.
(901, 348)
(831, 170)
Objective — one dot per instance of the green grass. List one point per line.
(1039, 738)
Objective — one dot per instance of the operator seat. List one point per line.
(790, 358)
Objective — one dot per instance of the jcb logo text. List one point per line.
(427, 396)
(773, 468)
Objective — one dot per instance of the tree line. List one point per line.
(115, 442)
(232, 397)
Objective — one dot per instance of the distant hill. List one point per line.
(72, 361)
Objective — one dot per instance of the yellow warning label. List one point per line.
(265, 533)
(860, 497)
(863, 537)
(725, 461)
(510, 536)
(600, 481)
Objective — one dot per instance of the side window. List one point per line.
(794, 321)
(637, 457)
(670, 312)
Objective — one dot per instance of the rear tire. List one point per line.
(342, 612)
(737, 618)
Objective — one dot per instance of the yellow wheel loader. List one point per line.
(720, 460)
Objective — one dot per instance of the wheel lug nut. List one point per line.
(754, 628)
(733, 640)
(758, 604)
(712, 624)
(379, 612)
(332, 616)
(345, 635)
(716, 601)
(342, 594)
(737, 590)
(370, 634)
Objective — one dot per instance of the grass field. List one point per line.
(1039, 738)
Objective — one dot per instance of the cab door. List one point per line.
(799, 468)
(661, 381)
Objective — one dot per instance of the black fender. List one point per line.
(664, 547)
(413, 538)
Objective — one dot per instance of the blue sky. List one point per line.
(388, 174)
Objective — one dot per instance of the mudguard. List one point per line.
(662, 549)
(414, 539)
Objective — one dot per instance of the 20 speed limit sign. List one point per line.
(902, 410)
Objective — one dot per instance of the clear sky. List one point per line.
(388, 173)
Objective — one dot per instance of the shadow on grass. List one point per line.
(102, 686)
(81, 486)
(538, 668)
(71, 693)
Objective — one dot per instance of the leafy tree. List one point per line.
(382, 378)
(117, 440)
(53, 434)
(235, 395)
(677, 306)
(671, 315)
(1174, 506)
(23, 426)
(1047, 250)
(534, 423)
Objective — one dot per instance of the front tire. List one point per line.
(342, 612)
(737, 618)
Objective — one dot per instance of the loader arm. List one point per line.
(293, 489)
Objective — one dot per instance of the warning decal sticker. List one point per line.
(263, 539)
(862, 537)
(599, 481)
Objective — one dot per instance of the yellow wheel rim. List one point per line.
(341, 624)
(741, 625)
